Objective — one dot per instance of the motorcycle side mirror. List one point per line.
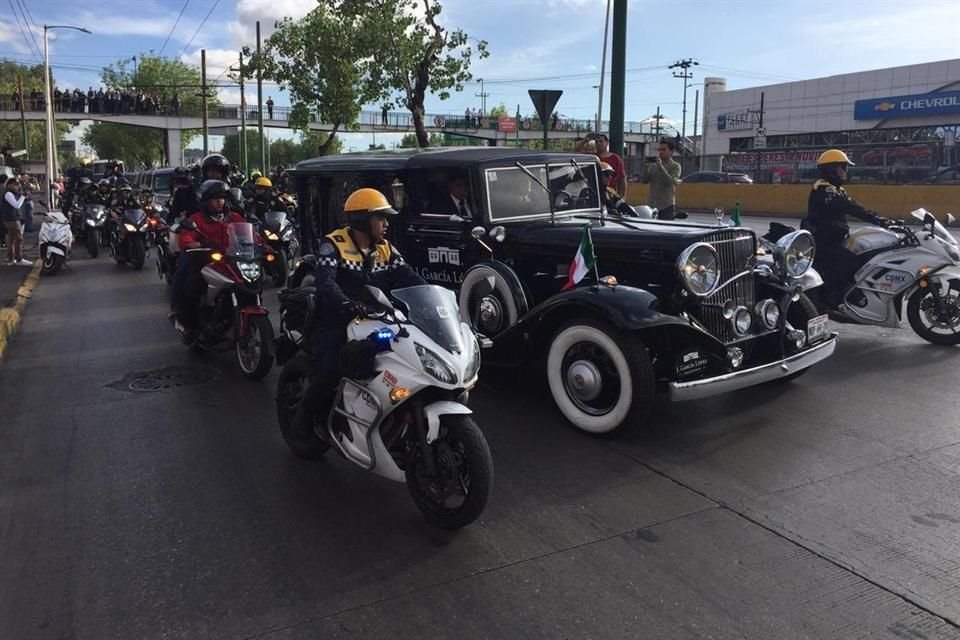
(478, 232)
(379, 297)
(188, 224)
(951, 220)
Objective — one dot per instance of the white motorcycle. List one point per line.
(919, 267)
(56, 242)
(400, 411)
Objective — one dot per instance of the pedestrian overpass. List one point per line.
(492, 131)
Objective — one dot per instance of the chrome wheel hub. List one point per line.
(584, 380)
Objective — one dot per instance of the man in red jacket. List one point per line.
(211, 232)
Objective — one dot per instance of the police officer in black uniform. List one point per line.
(827, 209)
(183, 201)
(348, 259)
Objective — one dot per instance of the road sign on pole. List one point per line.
(544, 100)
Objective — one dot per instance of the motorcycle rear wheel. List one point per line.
(255, 352)
(464, 469)
(291, 387)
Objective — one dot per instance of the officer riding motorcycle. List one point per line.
(211, 232)
(183, 201)
(348, 259)
(263, 199)
(827, 209)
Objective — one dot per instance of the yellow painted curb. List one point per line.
(10, 316)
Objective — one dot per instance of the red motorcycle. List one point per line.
(231, 313)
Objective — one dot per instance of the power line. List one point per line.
(182, 9)
(187, 46)
(24, 12)
(26, 38)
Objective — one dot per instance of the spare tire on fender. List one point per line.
(438, 121)
(498, 310)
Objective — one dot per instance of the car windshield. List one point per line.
(240, 242)
(434, 311)
(513, 194)
(925, 217)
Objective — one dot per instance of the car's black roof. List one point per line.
(439, 157)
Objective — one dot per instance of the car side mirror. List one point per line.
(478, 232)
(379, 297)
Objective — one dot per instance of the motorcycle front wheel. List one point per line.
(52, 262)
(138, 253)
(93, 244)
(937, 323)
(291, 387)
(281, 269)
(457, 492)
(255, 350)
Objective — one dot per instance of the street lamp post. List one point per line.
(51, 147)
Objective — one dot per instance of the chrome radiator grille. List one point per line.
(736, 248)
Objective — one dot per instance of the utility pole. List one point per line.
(243, 123)
(618, 75)
(685, 75)
(603, 68)
(23, 118)
(203, 100)
(696, 113)
(483, 98)
(756, 177)
(658, 123)
(263, 151)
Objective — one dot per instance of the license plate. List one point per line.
(817, 329)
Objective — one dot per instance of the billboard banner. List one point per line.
(923, 104)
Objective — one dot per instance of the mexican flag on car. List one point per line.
(582, 262)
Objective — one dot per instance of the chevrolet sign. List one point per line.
(924, 104)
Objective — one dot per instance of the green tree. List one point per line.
(409, 141)
(11, 131)
(412, 55)
(499, 110)
(283, 152)
(161, 77)
(321, 61)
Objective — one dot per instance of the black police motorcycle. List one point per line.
(280, 233)
(128, 238)
(93, 227)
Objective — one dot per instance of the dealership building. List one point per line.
(898, 125)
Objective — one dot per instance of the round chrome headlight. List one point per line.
(742, 321)
(769, 313)
(794, 253)
(699, 268)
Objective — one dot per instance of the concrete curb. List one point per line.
(10, 315)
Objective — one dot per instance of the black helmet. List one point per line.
(181, 172)
(103, 183)
(85, 181)
(214, 189)
(125, 186)
(215, 160)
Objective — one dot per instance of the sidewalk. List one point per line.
(11, 279)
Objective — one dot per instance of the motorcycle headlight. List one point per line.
(794, 253)
(129, 227)
(271, 235)
(699, 268)
(249, 270)
(434, 365)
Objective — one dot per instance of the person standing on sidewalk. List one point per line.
(662, 175)
(10, 215)
(27, 210)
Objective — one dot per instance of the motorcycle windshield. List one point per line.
(434, 311)
(240, 242)
(95, 210)
(925, 217)
(136, 216)
(274, 219)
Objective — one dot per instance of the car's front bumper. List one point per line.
(696, 389)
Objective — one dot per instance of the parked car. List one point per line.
(681, 308)
(718, 177)
(947, 175)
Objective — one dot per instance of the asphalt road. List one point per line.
(828, 507)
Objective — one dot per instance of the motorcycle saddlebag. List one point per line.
(297, 308)
(357, 359)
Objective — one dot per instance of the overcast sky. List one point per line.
(547, 44)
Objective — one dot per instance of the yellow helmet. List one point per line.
(263, 181)
(833, 156)
(367, 200)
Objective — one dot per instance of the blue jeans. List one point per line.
(28, 216)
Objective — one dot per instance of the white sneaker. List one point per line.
(25, 263)
(11, 263)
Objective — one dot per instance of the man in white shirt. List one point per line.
(10, 216)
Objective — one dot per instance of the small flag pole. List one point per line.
(596, 270)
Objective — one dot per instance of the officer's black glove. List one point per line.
(354, 309)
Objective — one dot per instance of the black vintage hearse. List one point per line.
(686, 309)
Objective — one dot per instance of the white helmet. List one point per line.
(648, 213)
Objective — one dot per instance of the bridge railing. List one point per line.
(391, 120)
